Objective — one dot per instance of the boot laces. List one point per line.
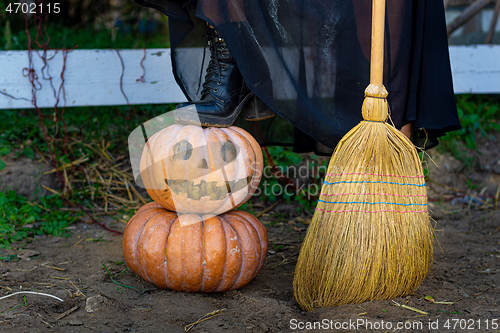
(214, 66)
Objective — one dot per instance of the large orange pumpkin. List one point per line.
(189, 169)
(218, 253)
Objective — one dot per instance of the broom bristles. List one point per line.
(370, 237)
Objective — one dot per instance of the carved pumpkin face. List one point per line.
(189, 169)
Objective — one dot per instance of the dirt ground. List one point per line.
(466, 271)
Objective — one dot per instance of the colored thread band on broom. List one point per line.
(370, 182)
(371, 174)
(371, 203)
(372, 211)
(389, 194)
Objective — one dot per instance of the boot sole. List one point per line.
(260, 118)
(193, 118)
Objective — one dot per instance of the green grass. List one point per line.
(82, 36)
(87, 123)
(22, 220)
(479, 116)
(285, 158)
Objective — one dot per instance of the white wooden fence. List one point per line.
(97, 77)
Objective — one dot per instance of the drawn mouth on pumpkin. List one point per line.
(206, 189)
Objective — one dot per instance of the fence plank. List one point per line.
(476, 69)
(92, 77)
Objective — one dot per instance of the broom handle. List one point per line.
(375, 106)
(377, 49)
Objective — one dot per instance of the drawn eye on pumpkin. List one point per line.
(228, 152)
(182, 150)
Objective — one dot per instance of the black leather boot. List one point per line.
(224, 93)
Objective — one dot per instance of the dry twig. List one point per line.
(409, 307)
(64, 314)
(56, 268)
(205, 317)
(266, 210)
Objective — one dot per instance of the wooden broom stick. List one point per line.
(377, 49)
(376, 110)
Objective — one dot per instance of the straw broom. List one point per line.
(370, 237)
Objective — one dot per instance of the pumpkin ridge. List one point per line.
(245, 223)
(186, 241)
(255, 148)
(214, 241)
(210, 155)
(226, 277)
(203, 253)
(156, 232)
(147, 207)
(151, 144)
(232, 189)
(143, 270)
(148, 150)
(234, 134)
(262, 234)
(139, 232)
(258, 160)
(250, 219)
(175, 256)
(224, 190)
(223, 170)
(153, 194)
(170, 143)
(166, 246)
(223, 222)
(242, 254)
(200, 251)
(175, 131)
(183, 284)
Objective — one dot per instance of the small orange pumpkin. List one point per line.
(218, 253)
(189, 169)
